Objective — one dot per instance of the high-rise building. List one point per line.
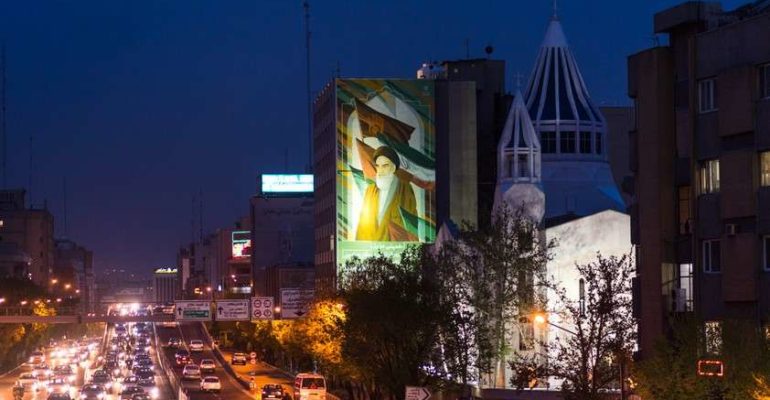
(26, 236)
(701, 162)
(164, 285)
(72, 260)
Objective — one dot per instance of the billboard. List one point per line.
(287, 183)
(385, 166)
(241, 244)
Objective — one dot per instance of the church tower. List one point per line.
(519, 164)
(576, 175)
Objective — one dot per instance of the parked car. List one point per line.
(196, 345)
(211, 384)
(208, 365)
(238, 358)
(191, 371)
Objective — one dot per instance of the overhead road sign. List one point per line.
(193, 310)
(232, 310)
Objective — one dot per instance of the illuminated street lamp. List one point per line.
(54, 281)
(67, 286)
(2, 300)
(77, 291)
(58, 300)
(24, 302)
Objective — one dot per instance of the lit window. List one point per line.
(585, 142)
(712, 256)
(766, 258)
(567, 142)
(764, 169)
(709, 176)
(707, 94)
(548, 140)
(764, 81)
(685, 283)
(713, 336)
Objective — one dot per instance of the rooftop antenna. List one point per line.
(3, 133)
(200, 214)
(65, 206)
(31, 170)
(192, 220)
(306, 6)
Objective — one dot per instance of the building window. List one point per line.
(764, 169)
(598, 143)
(685, 285)
(567, 142)
(713, 337)
(511, 166)
(766, 252)
(712, 256)
(684, 211)
(585, 142)
(548, 140)
(764, 81)
(707, 95)
(523, 161)
(709, 176)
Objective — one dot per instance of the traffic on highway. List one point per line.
(150, 361)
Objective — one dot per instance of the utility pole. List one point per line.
(2, 111)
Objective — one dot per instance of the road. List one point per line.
(262, 373)
(231, 389)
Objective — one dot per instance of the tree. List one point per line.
(493, 275)
(671, 371)
(393, 314)
(601, 332)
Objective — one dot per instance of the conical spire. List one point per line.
(554, 35)
(519, 148)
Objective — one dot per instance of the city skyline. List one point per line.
(120, 100)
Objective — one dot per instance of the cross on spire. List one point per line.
(518, 77)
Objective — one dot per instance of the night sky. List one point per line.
(139, 104)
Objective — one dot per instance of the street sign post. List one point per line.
(417, 393)
(295, 302)
(232, 310)
(262, 308)
(193, 310)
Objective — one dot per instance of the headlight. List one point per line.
(71, 379)
(100, 396)
(116, 371)
(34, 373)
(30, 360)
(154, 393)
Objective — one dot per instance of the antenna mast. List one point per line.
(200, 214)
(31, 170)
(306, 6)
(65, 207)
(5, 140)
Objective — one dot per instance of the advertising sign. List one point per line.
(385, 166)
(295, 302)
(285, 183)
(262, 308)
(241, 244)
(232, 310)
(193, 310)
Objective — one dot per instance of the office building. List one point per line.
(26, 237)
(700, 154)
(165, 286)
(74, 273)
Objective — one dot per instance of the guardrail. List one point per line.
(165, 365)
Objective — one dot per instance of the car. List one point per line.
(59, 385)
(65, 371)
(145, 377)
(113, 368)
(169, 324)
(29, 381)
(211, 384)
(191, 371)
(141, 396)
(128, 392)
(182, 357)
(238, 358)
(59, 396)
(272, 391)
(103, 378)
(196, 345)
(41, 370)
(92, 392)
(144, 362)
(174, 342)
(36, 357)
(208, 365)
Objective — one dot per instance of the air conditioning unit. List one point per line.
(679, 300)
(731, 229)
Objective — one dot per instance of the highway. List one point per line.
(231, 389)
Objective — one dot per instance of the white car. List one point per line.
(191, 371)
(211, 384)
(196, 345)
(207, 365)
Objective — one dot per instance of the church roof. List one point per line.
(518, 132)
(556, 90)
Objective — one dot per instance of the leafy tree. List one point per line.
(601, 332)
(393, 314)
(492, 274)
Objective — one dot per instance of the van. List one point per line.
(309, 386)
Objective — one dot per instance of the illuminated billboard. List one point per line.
(286, 183)
(385, 166)
(241, 244)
